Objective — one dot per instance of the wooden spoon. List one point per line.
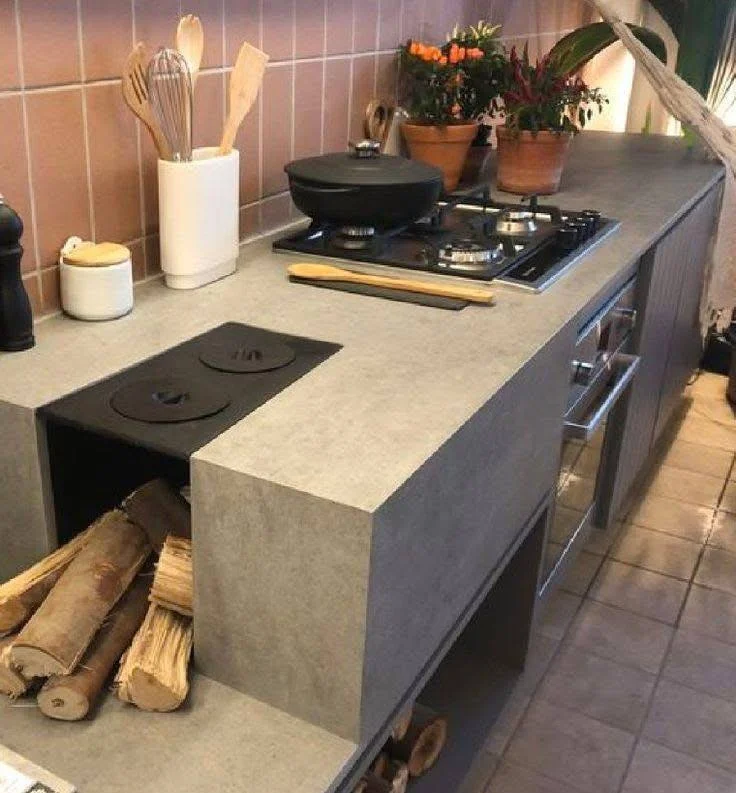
(245, 82)
(326, 272)
(135, 93)
(190, 43)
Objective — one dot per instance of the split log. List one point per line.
(423, 742)
(380, 764)
(396, 774)
(153, 673)
(71, 697)
(56, 637)
(172, 584)
(372, 783)
(402, 724)
(12, 682)
(159, 510)
(22, 595)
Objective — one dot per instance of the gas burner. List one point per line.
(168, 400)
(516, 221)
(468, 256)
(354, 238)
(248, 357)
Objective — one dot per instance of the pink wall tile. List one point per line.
(43, 26)
(138, 259)
(366, 25)
(8, 46)
(242, 23)
(209, 109)
(277, 123)
(210, 13)
(14, 172)
(337, 102)
(50, 297)
(389, 25)
(250, 220)
(248, 144)
(308, 110)
(310, 28)
(412, 21)
(59, 169)
(155, 22)
(152, 250)
(387, 76)
(518, 19)
(32, 283)
(113, 154)
(339, 26)
(107, 37)
(278, 29)
(275, 212)
(364, 89)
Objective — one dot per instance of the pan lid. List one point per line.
(363, 165)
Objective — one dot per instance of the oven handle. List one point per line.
(585, 431)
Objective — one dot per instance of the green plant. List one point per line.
(543, 97)
(454, 82)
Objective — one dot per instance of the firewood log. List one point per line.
(12, 682)
(372, 783)
(22, 595)
(380, 764)
(397, 774)
(423, 742)
(56, 637)
(71, 697)
(172, 584)
(153, 673)
(159, 510)
(402, 724)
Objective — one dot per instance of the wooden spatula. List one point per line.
(135, 93)
(326, 272)
(190, 43)
(245, 82)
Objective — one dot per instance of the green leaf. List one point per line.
(573, 51)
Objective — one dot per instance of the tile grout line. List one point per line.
(85, 125)
(324, 78)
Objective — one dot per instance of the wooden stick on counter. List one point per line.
(71, 697)
(423, 742)
(58, 634)
(172, 584)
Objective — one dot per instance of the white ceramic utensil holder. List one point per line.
(198, 217)
(97, 293)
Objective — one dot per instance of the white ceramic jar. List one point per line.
(97, 281)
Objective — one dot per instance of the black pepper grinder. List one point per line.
(16, 318)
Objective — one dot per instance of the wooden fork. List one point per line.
(135, 93)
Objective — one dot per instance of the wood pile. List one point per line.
(66, 621)
(416, 741)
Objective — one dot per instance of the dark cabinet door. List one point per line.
(667, 338)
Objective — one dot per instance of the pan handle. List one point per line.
(310, 188)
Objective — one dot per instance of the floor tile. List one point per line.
(703, 663)
(708, 385)
(479, 775)
(728, 502)
(694, 723)
(581, 574)
(577, 492)
(717, 570)
(607, 691)
(656, 551)
(724, 532)
(514, 779)
(505, 725)
(716, 409)
(601, 540)
(699, 429)
(656, 769)
(541, 652)
(641, 591)
(711, 612)
(558, 615)
(687, 486)
(696, 457)
(673, 517)
(571, 748)
(620, 636)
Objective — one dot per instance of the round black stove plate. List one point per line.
(247, 357)
(168, 400)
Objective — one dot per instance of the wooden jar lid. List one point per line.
(102, 254)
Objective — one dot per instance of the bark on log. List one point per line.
(153, 673)
(402, 724)
(12, 682)
(380, 764)
(172, 584)
(372, 783)
(423, 742)
(397, 774)
(159, 511)
(71, 697)
(58, 634)
(22, 595)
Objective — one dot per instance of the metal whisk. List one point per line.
(170, 94)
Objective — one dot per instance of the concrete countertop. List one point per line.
(354, 429)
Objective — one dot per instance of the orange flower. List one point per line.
(436, 54)
(461, 54)
(443, 60)
(414, 48)
(454, 53)
(479, 53)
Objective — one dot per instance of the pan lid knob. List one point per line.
(366, 149)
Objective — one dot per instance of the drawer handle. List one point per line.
(584, 431)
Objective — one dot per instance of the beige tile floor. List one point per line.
(631, 686)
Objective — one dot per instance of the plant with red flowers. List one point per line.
(541, 97)
(453, 83)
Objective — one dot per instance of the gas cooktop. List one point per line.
(526, 245)
(179, 400)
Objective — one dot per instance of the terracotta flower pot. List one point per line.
(445, 147)
(531, 163)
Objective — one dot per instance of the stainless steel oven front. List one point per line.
(601, 372)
